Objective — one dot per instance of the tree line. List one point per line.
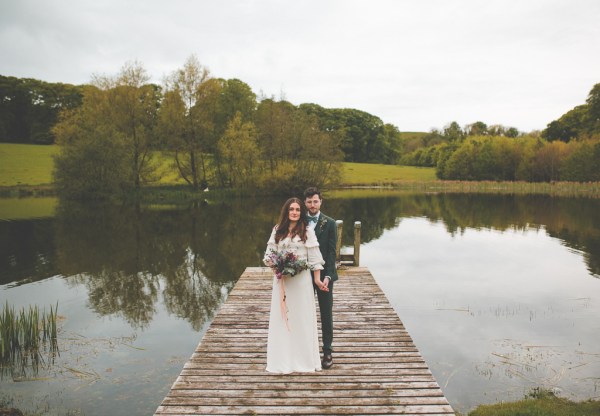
(29, 108)
(215, 131)
(567, 150)
(219, 132)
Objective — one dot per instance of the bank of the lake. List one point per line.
(539, 402)
(26, 170)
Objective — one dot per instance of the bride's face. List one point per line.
(294, 211)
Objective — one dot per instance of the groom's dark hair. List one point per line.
(312, 191)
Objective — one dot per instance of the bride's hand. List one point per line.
(321, 285)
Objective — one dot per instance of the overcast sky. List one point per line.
(417, 64)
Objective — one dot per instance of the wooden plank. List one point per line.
(415, 410)
(377, 370)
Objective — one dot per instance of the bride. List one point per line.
(293, 341)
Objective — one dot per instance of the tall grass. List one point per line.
(25, 334)
(539, 402)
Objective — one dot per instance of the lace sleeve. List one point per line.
(311, 238)
(314, 257)
(271, 246)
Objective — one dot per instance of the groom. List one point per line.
(326, 231)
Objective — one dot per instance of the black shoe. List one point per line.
(327, 361)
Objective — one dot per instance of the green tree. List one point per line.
(235, 97)
(593, 118)
(92, 162)
(453, 132)
(187, 119)
(106, 143)
(297, 151)
(362, 136)
(275, 136)
(547, 161)
(512, 132)
(509, 154)
(568, 126)
(388, 146)
(131, 107)
(315, 154)
(581, 163)
(460, 163)
(443, 154)
(240, 153)
(479, 128)
(528, 148)
(29, 108)
(581, 122)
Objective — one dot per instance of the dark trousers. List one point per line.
(326, 308)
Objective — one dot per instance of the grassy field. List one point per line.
(376, 174)
(22, 164)
(27, 208)
(25, 170)
(26, 164)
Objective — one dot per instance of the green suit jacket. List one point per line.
(326, 232)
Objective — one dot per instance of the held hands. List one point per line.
(322, 285)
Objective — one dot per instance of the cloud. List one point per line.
(415, 64)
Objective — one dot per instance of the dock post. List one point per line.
(357, 226)
(338, 244)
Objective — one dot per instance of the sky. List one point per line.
(416, 64)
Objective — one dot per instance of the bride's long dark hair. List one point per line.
(284, 221)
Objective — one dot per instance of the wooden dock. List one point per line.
(377, 368)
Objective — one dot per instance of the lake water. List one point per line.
(500, 293)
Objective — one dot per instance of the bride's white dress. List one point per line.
(295, 349)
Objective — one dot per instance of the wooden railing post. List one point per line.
(338, 244)
(357, 226)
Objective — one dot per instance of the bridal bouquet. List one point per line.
(285, 263)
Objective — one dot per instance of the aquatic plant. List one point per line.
(26, 333)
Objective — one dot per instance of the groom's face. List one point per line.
(313, 204)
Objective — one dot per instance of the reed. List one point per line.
(24, 334)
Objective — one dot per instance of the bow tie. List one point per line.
(312, 219)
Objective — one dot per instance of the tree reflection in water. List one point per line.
(129, 256)
(574, 221)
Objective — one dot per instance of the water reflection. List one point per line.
(163, 272)
(575, 221)
(119, 251)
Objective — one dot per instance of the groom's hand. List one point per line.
(321, 285)
(325, 284)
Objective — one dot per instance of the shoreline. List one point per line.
(183, 193)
